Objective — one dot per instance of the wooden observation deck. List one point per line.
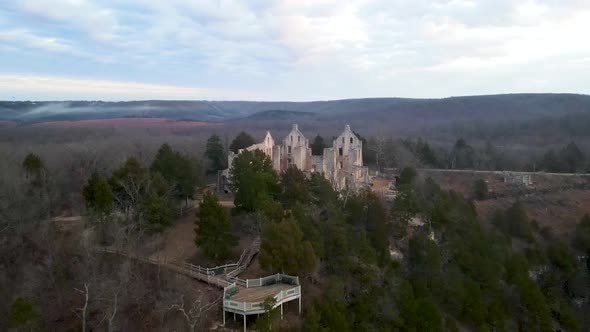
(246, 297)
(240, 296)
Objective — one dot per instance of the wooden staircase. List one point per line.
(220, 276)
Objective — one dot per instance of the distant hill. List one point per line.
(277, 115)
(399, 114)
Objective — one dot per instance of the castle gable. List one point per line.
(295, 138)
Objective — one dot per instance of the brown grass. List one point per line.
(560, 211)
(554, 201)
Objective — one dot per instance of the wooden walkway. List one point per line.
(220, 276)
(244, 297)
(175, 267)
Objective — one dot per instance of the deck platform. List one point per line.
(240, 296)
(246, 297)
(259, 294)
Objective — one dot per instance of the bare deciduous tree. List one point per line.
(84, 309)
(110, 312)
(192, 311)
(378, 146)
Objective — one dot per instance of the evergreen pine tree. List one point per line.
(215, 153)
(243, 140)
(214, 229)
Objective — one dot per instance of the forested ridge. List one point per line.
(399, 113)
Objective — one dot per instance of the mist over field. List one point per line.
(492, 107)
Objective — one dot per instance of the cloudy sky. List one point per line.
(290, 49)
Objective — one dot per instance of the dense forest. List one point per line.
(424, 261)
(377, 271)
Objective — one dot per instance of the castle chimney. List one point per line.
(347, 127)
(295, 127)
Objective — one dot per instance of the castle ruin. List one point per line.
(341, 164)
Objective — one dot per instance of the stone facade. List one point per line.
(518, 178)
(342, 164)
(296, 150)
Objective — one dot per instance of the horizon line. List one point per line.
(287, 101)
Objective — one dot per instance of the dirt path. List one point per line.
(179, 239)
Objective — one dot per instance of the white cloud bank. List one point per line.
(304, 49)
(47, 88)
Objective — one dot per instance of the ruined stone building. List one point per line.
(341, 164)
(522, 179)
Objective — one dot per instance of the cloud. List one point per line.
(99, 22)
(301, 48)
(24, 87)
(29, 39)
(552, 40)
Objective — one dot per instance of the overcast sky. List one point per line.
(290, 49)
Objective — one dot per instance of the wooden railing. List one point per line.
(217, 270)
(271, 280)
(230, 284)
(227, 273)
(257, 307)
(245, 259)
(232, 289)
(233, 269)
(193, 272)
